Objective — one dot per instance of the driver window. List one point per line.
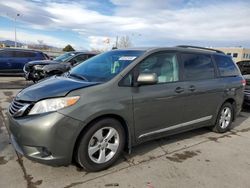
(164, 65)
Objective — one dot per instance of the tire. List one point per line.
(94, 152)
(224, 118)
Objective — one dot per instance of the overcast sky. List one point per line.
(86, 24)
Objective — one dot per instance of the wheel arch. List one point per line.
(229, 100)
(114, 116)
(232, 102)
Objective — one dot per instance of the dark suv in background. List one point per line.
(121, 98)
(12, 61)
(37, 70)
(247, 91)
(244, 67)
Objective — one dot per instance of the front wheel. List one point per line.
(224, 119)
(101, 145)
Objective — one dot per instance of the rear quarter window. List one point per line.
(226, 66)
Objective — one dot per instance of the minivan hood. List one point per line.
(56, 86)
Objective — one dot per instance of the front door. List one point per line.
(158, 107)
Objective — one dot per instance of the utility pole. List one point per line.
(15, 27)
(116, 42)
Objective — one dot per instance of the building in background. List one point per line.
(237, 53)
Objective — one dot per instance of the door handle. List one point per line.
(179, 90)
(191, 88)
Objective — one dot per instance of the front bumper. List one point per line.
(26, 73)
(46, 138)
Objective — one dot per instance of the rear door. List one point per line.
(204, 89)
(20, 59)
(231, 77)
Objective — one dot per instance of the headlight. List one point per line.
(50, 105)
(38, 67)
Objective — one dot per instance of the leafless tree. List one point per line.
(98, 50)
(40, 42)
(124, 42)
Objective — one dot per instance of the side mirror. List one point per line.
(147, 79)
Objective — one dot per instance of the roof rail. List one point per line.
(201, 48)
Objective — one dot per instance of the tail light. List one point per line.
(243, 82)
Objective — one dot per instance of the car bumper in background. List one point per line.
(247, 97)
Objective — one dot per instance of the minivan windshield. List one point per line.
(105, 66)
(64, 57)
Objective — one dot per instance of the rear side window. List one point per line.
(21, 54)
(6, 54)
(197, 66)
(226, 66)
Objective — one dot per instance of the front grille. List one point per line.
(15, 106)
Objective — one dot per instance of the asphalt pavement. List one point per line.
(13, 82)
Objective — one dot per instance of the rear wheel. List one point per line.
(224, 119)
(101, 145)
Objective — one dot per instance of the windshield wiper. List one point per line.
(78, 76)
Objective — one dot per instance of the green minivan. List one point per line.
(121, 98)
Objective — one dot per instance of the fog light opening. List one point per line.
(45, 152)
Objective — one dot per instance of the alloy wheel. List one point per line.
(225, 118)
(103, 145)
